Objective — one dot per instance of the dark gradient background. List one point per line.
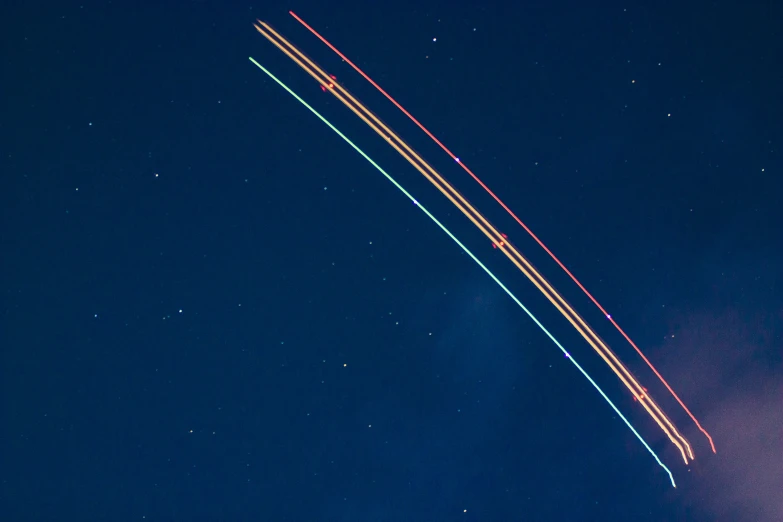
(213, 309)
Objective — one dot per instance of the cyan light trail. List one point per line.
(475, 259)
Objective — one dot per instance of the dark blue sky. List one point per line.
(214, 309)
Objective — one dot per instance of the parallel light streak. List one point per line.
(625, 376)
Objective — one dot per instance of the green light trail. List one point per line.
(474, 258)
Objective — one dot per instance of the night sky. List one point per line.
(214, 309)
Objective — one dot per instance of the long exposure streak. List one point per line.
(489, 231)
(513, 215)
(476, 260)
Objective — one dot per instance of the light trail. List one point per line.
(630, 382)
(513, 215)
(489, 231)
(475, 259)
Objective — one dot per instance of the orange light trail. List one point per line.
(487, 229)
(513, 215)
